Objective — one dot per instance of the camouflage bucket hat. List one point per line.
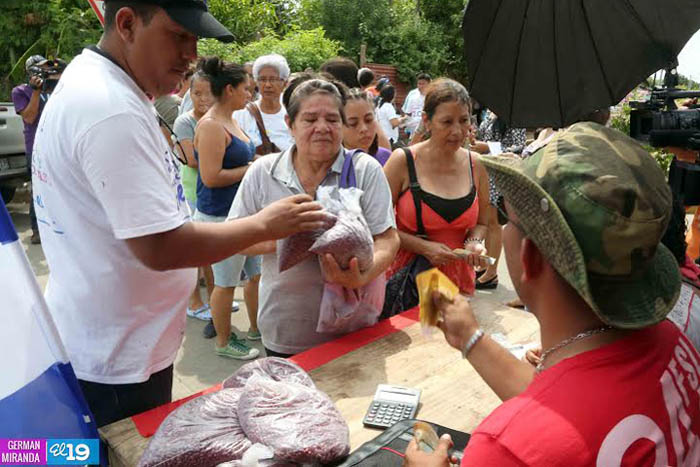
(596, 204)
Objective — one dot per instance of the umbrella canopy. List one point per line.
(551, 62)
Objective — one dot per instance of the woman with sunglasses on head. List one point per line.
(185, 124)
(360, 128)
(452, 186)
(224, 153)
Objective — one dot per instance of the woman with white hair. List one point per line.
(263, 120)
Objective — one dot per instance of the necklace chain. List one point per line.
(570, 340)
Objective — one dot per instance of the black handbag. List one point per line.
(401, 290)
(387, 449)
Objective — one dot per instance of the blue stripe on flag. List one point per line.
(7, 228)
(51, 406)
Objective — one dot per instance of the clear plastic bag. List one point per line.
(295, 248)
(203, 432)
(346, 310)
(350, 236)
(300, 424)
(274, 368)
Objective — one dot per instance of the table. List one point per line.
(453, 394)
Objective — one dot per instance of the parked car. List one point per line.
(13, 162)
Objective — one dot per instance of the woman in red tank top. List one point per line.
(452, 186)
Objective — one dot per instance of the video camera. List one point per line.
(660, 123)
(49, 73)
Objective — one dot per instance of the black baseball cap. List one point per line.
(194, 16)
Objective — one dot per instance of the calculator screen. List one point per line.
(397, 397)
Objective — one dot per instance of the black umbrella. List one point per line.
(551, 62)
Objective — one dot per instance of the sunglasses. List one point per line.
(179, 155)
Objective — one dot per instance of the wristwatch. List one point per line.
(478, 334)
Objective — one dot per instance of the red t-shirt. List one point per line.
(632, 403)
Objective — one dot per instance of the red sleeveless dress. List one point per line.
(453, 234)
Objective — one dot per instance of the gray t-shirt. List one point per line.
(184, 126)
(184, 130)
(290, 301)
(167, 107)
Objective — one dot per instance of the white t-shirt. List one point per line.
(275, 126)
(413, 106)
(385, 114)
(103, 173)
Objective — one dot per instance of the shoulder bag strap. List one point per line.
(347, 176)
(415, 191)
(266, 147)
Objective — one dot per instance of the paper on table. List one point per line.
(495, 148)
(518, 350)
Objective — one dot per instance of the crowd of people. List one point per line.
(580, 213)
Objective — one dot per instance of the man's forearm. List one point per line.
(197, 243)
(506, 375)
(262, 248)
(31, 112)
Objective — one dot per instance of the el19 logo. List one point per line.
(72, 451)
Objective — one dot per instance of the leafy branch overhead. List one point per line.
(414, 35)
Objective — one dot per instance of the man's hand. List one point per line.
(351, 278)
(683, 154)
(440, 458)
(291, 215)
(35, 82)
(533, 356)
(438, 253)
(457, 322)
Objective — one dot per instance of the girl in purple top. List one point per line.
(360, 129)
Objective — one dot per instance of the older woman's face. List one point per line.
(270, 83)
(361, 128)
(317, 128)
(450, 125)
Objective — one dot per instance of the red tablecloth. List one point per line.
(148, 422)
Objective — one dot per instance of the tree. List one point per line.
(53, 28)
(301, 48)
(447, 15)
(412, 35)
(244, 18)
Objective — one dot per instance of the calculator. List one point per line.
(391, 404)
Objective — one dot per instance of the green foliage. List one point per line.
(412, 35)
(248, 19)
(244, 18)
(620, 120)
(446, 16)
(53, 28)
(687, 83)
(413, 46)
(212, 47)
(301, 48)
